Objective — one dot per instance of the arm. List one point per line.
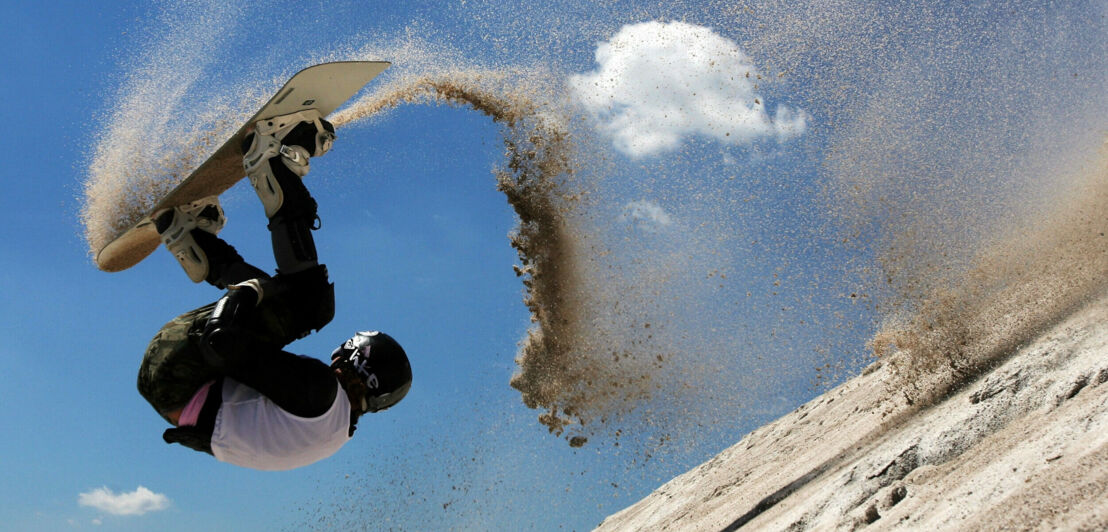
(300, 385)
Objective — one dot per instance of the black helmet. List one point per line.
(381, 364)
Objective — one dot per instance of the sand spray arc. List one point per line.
(557, 371)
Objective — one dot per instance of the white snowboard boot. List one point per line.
(287, 141)
(175, 231)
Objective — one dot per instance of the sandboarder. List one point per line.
(219, 374)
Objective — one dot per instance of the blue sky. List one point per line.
(415, 236)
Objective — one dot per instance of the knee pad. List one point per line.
(309, 297)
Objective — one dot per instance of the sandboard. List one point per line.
(322, 87)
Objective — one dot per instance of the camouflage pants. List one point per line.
(173, 368)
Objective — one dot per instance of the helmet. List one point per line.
(380, 364)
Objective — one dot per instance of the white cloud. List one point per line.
(646, 215)
(137, 502)
(657, 83)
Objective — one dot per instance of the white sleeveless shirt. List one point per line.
(252, 431)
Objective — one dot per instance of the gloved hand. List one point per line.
(220, 339)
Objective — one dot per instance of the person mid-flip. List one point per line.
(218, 374)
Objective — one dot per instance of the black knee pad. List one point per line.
(295, 304)
(313, 296)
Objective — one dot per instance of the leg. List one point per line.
(300, 298)
(226, 266)
(290, 229)
(277, 157)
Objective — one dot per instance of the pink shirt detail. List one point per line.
(191, 412)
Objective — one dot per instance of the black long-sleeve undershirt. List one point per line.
(302, 386)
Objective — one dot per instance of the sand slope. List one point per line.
(1023, 446)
